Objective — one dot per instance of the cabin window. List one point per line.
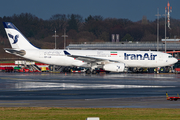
(170, 56)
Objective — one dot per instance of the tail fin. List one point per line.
(167, 95)
(16, 38)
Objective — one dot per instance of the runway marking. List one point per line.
(10, 78)
(14, 104)
(40, 85)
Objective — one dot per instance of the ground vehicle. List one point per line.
(6, 69)
(172, 98)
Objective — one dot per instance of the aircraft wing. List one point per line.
(88, 59)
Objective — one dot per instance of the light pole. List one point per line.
(165, 29)
(158, 15)
(64, 38)
(55, 38)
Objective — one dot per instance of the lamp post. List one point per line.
(158, 15)
(64, 38)
(55, 37)
(165, 29)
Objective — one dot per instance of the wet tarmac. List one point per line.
(81, 90)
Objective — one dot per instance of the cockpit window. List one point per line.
(170, 56)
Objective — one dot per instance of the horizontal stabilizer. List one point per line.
(15, 51)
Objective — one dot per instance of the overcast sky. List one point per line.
(129, 9)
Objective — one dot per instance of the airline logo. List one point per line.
(118, 67)
(9, 25)
(113, 53)
(144, 56)
(14, 38)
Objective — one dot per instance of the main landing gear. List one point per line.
(89, 71)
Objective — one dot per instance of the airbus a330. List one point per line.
(109, 60)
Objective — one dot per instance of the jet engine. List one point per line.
(114, 67)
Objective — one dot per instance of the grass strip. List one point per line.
(47, 113)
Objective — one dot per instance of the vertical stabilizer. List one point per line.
(16, 38)
(167, 95)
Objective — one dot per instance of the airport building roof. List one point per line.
(170, 46)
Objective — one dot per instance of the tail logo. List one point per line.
(14, 38)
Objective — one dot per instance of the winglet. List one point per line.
(66, 53)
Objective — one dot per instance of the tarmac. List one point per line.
(120, 90)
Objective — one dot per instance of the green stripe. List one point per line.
(113, 52)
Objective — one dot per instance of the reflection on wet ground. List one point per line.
(123, 90)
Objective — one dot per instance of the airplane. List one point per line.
(172, 98)
(109, 60)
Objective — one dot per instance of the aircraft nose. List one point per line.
(175, 60)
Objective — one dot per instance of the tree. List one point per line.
(58, 21)
(104, 36)
(127, 38)
(94, 18)
(74, 22)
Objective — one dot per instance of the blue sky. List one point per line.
(129, 9)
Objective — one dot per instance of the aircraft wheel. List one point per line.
(88, 71)
(50, 67)
(66, 69)
(175, 99)
(94, 72)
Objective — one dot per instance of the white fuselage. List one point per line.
(129, 58)
(111, 60)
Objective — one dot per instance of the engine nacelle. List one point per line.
(114, 67)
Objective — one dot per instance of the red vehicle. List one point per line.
(101, 70)
(9, 69)
(27, 70)
(172, 98)
(2, 69)
(24, 70)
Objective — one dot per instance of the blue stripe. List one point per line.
(9, 25)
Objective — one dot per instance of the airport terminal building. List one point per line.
(170, 46)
